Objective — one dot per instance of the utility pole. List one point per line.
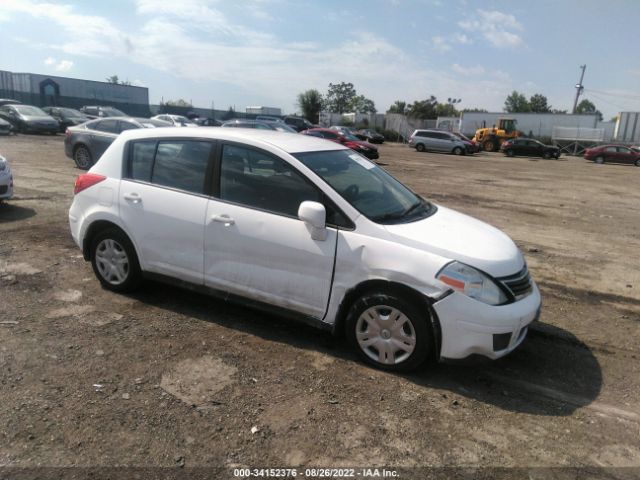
(579, 88)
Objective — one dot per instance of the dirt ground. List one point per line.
(168, 378)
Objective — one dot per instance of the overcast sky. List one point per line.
(265, 52)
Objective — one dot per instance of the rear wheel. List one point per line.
(420, 147)
(114, 261)
(637, 162)
(600, 159)
(557, 155)
(546, 155)
(509, 153)
(457, 151)
(82, 157)
(389, 331)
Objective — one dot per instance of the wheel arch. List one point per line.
(386, 286)
(98, 226)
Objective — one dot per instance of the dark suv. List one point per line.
(298, 123)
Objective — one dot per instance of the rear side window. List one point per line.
(180, 164)
(107, 126)
(127, 126)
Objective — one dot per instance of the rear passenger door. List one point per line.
(255, 245)
(163, 201)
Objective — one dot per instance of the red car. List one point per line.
(365, 148)
(613, 153)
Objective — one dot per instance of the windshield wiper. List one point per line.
(398, 215)
(412, 208)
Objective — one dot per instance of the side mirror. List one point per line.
(314, 216)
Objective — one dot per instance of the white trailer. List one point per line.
(627, 128)
(531, 124)
(264, 111)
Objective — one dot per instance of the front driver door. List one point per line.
(255, 246)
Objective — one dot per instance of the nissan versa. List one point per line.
(306, 228)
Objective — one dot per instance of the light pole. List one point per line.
(579, 88)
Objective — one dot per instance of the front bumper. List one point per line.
(41, 128)
(6, 185)
(471, 327)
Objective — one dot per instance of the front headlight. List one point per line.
(3, 164)
(473, 283)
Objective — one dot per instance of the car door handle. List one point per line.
(226, 219)
(132, 197)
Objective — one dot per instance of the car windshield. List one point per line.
(181, 119)
(349, 136)
(284, 128)
(369, 188)
(113, 112)
(71, 113)
(29, 110)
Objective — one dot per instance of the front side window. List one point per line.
(367, 187)
(256, 179)
(611, 149)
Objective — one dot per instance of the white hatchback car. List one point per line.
(306, 228)
(6, 180)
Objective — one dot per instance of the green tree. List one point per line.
(423, 109)
(178, 103)
(538, 104)
(310, 103)
(474, 110)
(114, 79)
(516, 103)
(587, 106)
(339, 97)
(361, 104)
(398, 107)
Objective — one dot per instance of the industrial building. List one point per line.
(49, 90)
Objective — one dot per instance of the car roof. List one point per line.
(287, 142)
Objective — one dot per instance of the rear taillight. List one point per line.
(86, 180)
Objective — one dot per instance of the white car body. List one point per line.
(6, 180)
(176, 120)
(284, 262)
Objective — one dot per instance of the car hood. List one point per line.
(38, 118)
(456, 236)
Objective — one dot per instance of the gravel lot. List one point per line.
(169, 378)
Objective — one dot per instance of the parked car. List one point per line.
(471, 146)
(437, 141)
(66, 117)
(369, 135)
(87, 142)
(614, 154)
(298, 123)
(305, 228)
(176, 120)
(9, 101)
(207, 122)
(242, 123)
(99, 111)
(529, 148)
(6, 180)
(27, 118)
(343, 129)
(368, 150)
(268, 118)
(5, 127)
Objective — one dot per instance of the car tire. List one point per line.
(637, 162)
(509, 153)
(546, 155)
(420, 147)
(489, 145)
(557, 156)
(373, 322)
(82, 157)
(114, 261)
(457, 151)
(600, 160)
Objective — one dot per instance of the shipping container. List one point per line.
(264, 111)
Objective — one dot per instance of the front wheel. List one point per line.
(600, 160)
(509, 153)
(114, 261)
(457, 151)
(637, 162)
(389, 332)
(546, 155)
(420, 147)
